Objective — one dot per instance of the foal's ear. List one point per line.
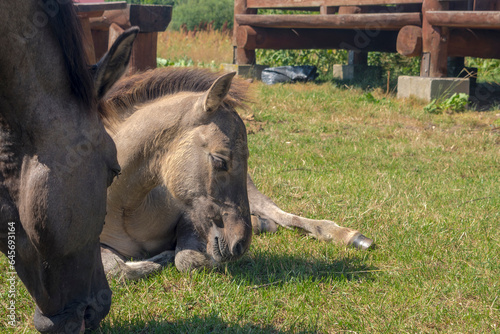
(217, 92)
(114, 63)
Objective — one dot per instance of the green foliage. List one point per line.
(184, 62)
(488, 69)
(458, 102)
(368, 97)
(394, 62)
(193, 13)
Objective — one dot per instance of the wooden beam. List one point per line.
(144, 52)
(474, 43)
(387, 21)
(251, 38)
(464, 19)
(434, 43)
(114, 31)
(99, 7)
(326, 10)
(318, 3)
(240, 55)
(148, 18)
(462, 43)
(486, 5)
(357, 58)
(120, 17)
(100, 38)
(409, 41)
(88, 43)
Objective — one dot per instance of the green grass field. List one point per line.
(424, 187)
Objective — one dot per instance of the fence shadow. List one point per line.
(485, 96)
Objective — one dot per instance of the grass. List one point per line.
(184, 47)
(425, 187)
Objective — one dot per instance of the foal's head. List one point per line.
(206, 171)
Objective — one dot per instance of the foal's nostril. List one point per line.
(238, 249)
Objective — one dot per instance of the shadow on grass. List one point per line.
(485, 96)
(264, 269)
(193, 325)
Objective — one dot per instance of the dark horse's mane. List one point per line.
(150, 85)
(68, 31)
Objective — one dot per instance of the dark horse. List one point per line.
(56, 161)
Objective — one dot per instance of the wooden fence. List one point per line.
(103, 22)
(432, 29)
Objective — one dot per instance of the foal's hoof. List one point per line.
(361, 242)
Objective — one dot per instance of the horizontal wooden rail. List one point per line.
(252, 38)
(462, 43)
(149, 18)
(318, 3)
(95, 7)
(464, 19)
(386, 21)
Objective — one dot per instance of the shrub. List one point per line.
(192, 14)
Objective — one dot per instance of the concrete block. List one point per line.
(429, 89)
(356, 72)
(247, 71)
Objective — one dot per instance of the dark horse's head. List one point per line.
(56, 161)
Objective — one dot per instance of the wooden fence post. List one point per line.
(434, 43)
(241, 55)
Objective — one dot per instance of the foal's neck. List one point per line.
(143, 141)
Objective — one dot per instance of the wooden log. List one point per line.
(350, 10)
(318, 3)
(120, 17)
(409, 41)
(385, 21)
(100, 38)
(144, 52)
(486, 5)
(88, 43)
(327, 10)
(149, 18)
(252, 38)
(381, 9)
(474, 43)
(462, 42)
(114, 31)
(99, 7)
(434, 43)
(357, 58)
(241, 55)
(464, 19)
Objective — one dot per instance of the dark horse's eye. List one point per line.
(219, 163)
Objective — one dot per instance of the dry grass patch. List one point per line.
(179, 45)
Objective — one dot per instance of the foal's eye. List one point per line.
(219, 163)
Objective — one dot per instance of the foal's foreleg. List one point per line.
(116, 266)
(267, 213)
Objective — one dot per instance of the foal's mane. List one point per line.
(150, 85)
(68, 32)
